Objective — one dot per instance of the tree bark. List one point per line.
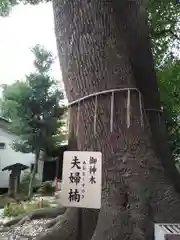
(66, 228)
(94, 57)
(133, 19)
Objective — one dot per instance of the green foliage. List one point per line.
(43, 59)
(13, 210)
(24, 184)
(47, 188)
(5, 199)
(169, 84)
(35, 107)
(17, 209)
(34, 2)
(164, 24)
(6, 5)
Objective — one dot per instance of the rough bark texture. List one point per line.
(65, 228)
(95, 56)
(133, 18)
(89, 221)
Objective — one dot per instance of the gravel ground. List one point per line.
(28, 230)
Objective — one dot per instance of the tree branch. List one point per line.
(175, 35)
(162, 33)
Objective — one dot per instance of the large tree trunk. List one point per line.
(133, 19)
(94, 57)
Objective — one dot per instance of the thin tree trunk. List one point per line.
(94, 57)
(33, 173)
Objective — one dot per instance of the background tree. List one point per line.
(164, 28)
(169, 85)
(35, 107)
(5, 7)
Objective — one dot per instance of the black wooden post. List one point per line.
(79, 235)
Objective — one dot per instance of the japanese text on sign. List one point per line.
(81, 183)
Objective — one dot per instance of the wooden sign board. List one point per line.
(81, 179)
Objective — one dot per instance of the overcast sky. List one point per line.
(25, 27)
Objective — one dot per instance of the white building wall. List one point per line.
(9, 156)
